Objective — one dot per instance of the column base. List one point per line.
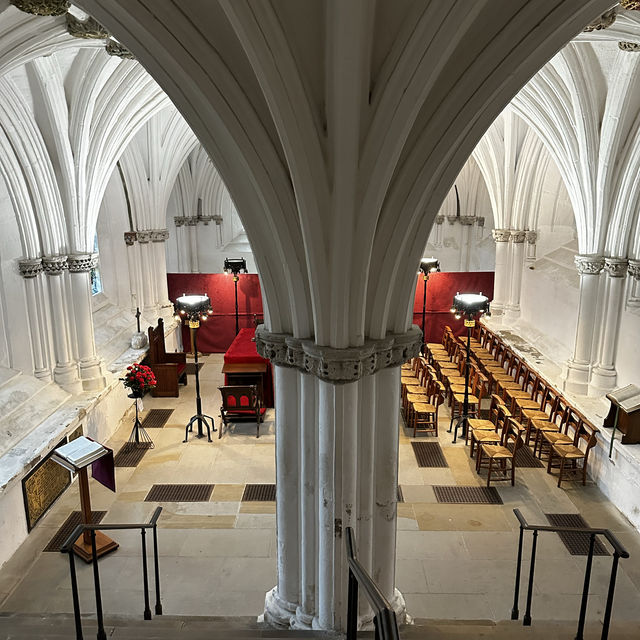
(510, 314)
(302, 621)
(67, 377)
(92, 376)
(576, 377)
(603, 380)
(277, 612)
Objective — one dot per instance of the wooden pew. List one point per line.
(168, 368)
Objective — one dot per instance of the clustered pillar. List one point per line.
(500, 285)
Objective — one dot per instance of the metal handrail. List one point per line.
(67, 548)
(385, 622)
(618, 552)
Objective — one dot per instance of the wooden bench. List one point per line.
(168, 368)
(241, 403)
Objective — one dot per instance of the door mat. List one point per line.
(259, 493)
(69, 525)
(525, 457)
(400, 494)
(190, 367)
(467, 495)
(131, 453)
(577, 543)
(429, 454)
(156, 418)
(179, 493)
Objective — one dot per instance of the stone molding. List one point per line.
(54, 265)
(634, 269)
(501, 235)
(631, 47)
(42, 7)
(532, 237)
(143, 236)
(338, 366)
(480, 221)
(82, 262)
(518, 237)
(603, 21)
(467, 221)
(190, 221)
(630, 5)
(178, 221)
(114, 48)
(616, 267)
(30, 267)
(159, 235)
(130, 238)
(589, 265)
(439, 219)
(87, 29)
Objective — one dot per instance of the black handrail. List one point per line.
(67, 547)
(618, 552)
(384, 619)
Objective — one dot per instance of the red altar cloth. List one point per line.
(243, 350)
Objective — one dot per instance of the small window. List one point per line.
(96, 280)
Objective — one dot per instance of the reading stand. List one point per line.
(82, 546)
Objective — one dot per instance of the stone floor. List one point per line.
(218, 558)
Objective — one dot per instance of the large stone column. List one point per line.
(466, 239)
(158, 239)
(516, 245)
(337, 466)
(147, 270)
(91, 368)
(603, 376)
(192, 232)
(578, 368)
(32, 270)
(634, 288)
(500, 291)
(65, 372)
(530, 249)
(133, 261)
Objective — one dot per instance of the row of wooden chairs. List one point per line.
(421, 395)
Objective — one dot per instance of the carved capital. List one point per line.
(88, 29)
(179, 221)
(603, 22)
(452, 219)
(439, 219)
(634, 269)
(82, 262)
(589, 265)
(114, 48)
(532, 237)
(54, 265)
(630, 5)
(130, 238)
(217, 220)
(631, 47)
(518, 237)
(143, 237)
(338, 366)
(467, 221)
(480, 221)
(190, 221)
(616, 267)
(205, 219)
(42, 7)
(159, 235)
(501, 235)
(30, 268)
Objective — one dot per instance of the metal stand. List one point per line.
(463, 420)
(424, 310)
(139, 435)
(235, 284)
(200, 418)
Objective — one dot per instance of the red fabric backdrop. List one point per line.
(441, 288)
(217, 333)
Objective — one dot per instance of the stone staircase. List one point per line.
(61, 627)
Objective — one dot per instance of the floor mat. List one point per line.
(156, 418)
(69, 525)
(577, 543)
(467, 495)
(525, 457)
(131, 453)
(259, 493)
(429, 454)
(179, 493)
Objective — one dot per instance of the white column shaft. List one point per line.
(41, 363)
(500, 283)
(193, 248)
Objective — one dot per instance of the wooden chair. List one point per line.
(425, 414)
(569, 455)
(241, 404)
(501, 454)
(170, 369)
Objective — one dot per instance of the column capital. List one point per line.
(634, 269)
(467, 221)
(532, 237)
(603, 21)
(179, 221)
(87, 29)
(143, 236)
(42, 7)
(30, 267)
(338, 366)
(616, 267)
(190, 221)
(54, 265)
(159, 235)
(82, 262)
(518, 237)
(501, 235)
(439, 219)
(589, 265)
(130, 238)
(480, 221)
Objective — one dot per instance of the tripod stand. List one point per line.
(139, 435)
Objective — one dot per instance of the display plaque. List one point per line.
(42, 486)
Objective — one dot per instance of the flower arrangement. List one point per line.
(139, 378)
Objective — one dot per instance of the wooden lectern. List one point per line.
(79, 465)
(624, 414)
